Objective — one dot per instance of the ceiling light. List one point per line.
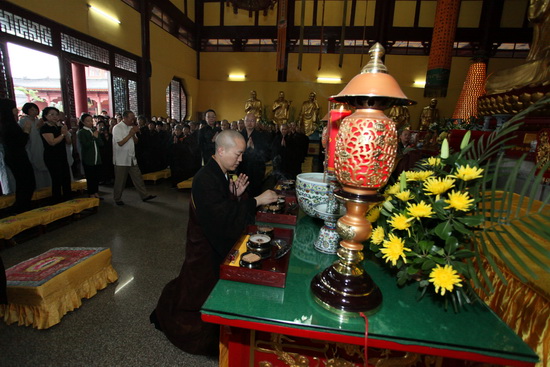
(419, 83)
(99, 11)
(324, 79)
(237, 77)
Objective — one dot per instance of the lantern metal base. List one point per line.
(345, 287)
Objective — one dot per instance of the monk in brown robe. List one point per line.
(218, 215)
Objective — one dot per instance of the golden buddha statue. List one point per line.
(536, 70)
(281, 109)
(309, 114)
(400, 115)
(429, 115)
(253, 105)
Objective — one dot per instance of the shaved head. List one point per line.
(228, 139)
(230, 146)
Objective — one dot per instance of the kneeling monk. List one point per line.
(218, 215)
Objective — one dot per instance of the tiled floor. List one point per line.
(112, 328)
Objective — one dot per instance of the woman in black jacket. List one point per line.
(15, 139)
(55, 136)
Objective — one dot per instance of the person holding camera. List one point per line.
(124, 158)
(55, 137)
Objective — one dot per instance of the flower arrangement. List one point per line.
(423, 228)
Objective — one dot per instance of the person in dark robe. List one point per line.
(178, 156)
(282, 153)
(107, 171)
(207, 135)
(15, 139)
(194, 162)
(256, 154)
(218, 215)
(301, 144)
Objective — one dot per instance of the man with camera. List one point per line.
(124, 158)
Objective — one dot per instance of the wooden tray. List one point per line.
(272, 273)
(281, 218)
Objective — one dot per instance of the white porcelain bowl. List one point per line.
(311, 190)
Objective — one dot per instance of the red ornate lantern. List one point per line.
(366, 146)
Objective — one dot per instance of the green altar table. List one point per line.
(402, 324)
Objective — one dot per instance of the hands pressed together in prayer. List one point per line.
(250, 143)
(238, 186)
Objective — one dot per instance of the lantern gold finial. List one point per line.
(375, 64)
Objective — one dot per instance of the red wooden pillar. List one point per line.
(80, 94)
(441, 48)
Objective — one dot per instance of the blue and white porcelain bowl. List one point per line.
(311, 190)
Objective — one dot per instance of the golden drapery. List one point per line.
(525, 307)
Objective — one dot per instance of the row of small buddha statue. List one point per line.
(401, 116)
(309, 112)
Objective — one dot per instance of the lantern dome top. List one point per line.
(374, 86)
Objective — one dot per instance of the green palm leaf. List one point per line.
(517, 238)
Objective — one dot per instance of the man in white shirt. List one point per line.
(124, 158)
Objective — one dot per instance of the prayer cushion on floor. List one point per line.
(78, 205)
(187, 184)
(154, 176)
(43, 289)
(43, 193)
(79, 185)
(16, 224)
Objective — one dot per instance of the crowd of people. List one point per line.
(227, 160)
(39, 149)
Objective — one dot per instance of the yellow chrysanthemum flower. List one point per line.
(420, 210)
(418, 175)
(433, 161)
(404, 195)
(399, 221)
(392, 190)
(468, 173)
(393, 249)
(373, 214)
(378, 235)
(444, 278)
(459, 201)
(438, 186)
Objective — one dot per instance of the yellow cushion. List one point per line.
(49, 214)
(44, 304)
(43, 193)
(16, 224)
(78, 205)
(7, 201)
(79, 185)
(186, 184)
(153, 176)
